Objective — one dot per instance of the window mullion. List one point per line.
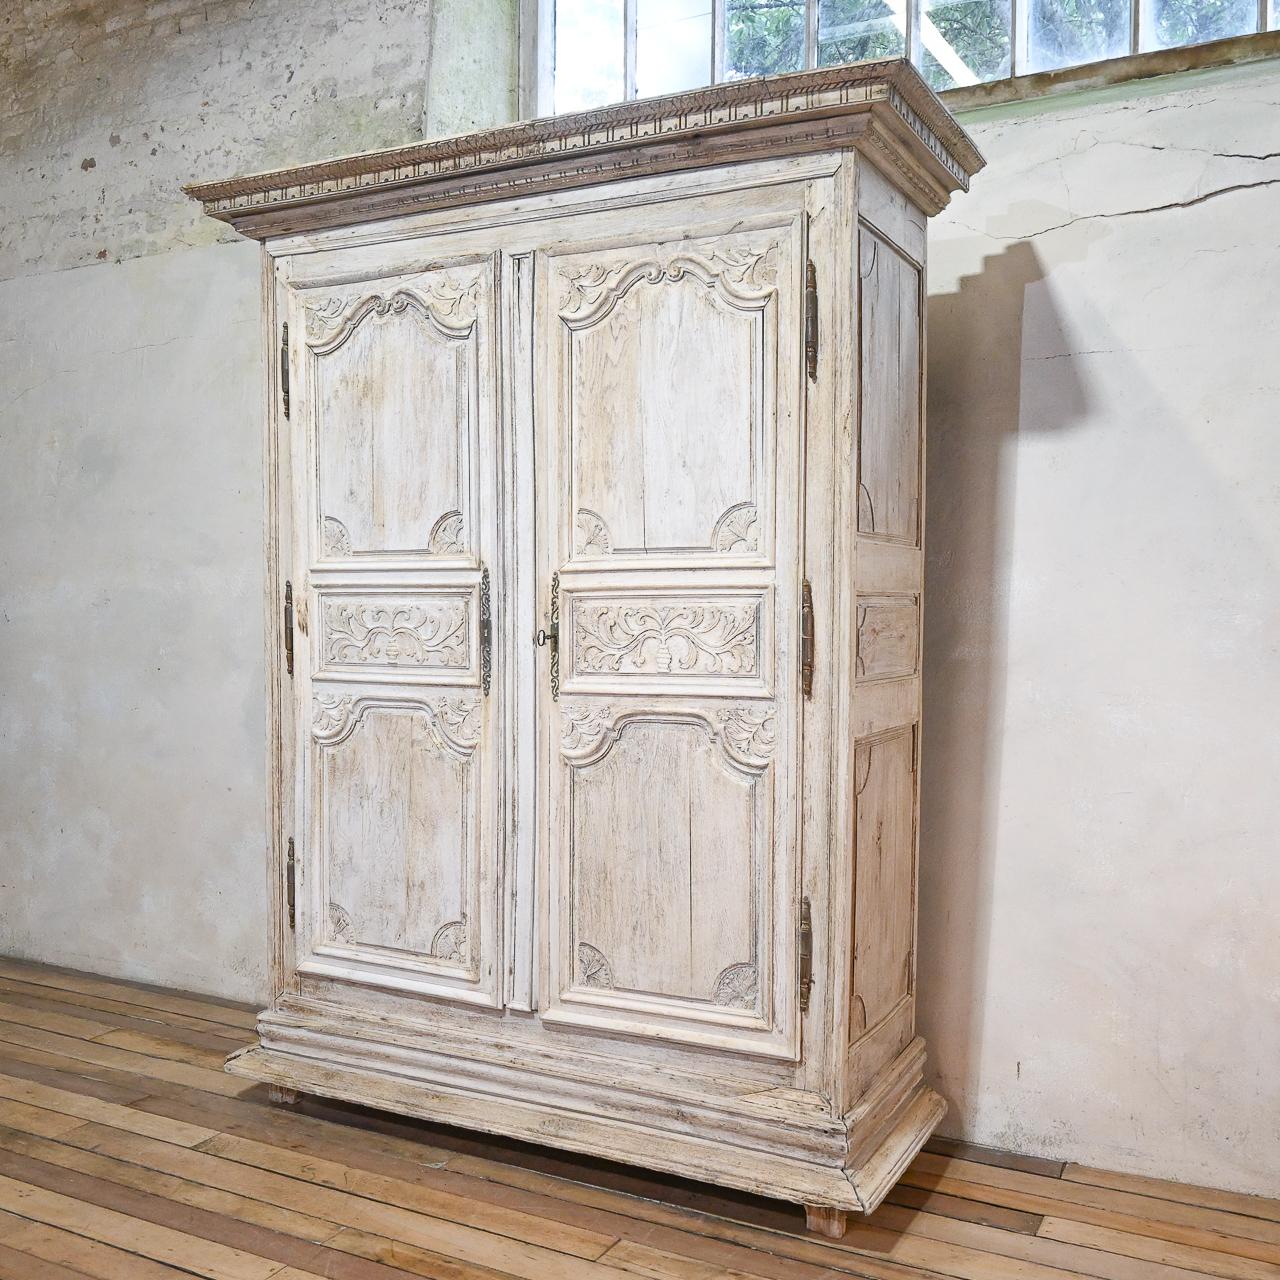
(1019, 44)
(913, 32)
(717, 40)
(629, 48)
(811, 33)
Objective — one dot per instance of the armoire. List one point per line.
(594, 507)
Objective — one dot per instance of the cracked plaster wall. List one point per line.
(132, 807)
(1099, 948)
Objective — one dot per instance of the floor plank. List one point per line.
(126, 1153)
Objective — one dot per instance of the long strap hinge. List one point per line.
(806, 954)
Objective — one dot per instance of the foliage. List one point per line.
(764, 36)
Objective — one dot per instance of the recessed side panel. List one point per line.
(890, 419)
(884, 878)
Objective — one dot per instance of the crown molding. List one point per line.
(884, 109)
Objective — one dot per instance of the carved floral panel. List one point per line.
(719, 637)
(395, 631)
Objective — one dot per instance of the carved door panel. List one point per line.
(669, 434)
(397, 536)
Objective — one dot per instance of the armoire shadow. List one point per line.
(975, 372)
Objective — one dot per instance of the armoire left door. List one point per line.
(394, 440)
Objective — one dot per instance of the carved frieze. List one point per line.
(423, 632)
(658, 639)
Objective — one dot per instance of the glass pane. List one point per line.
(763, 37)
(1195, 21)
(964, 41)
(589, 54)
(1064, 33)
(851, 30)
(673, 45)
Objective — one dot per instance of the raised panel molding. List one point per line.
(888, 637)
(421, 631)
(741, 275)
(736, 532)
(747, 733)
(448, 304)
(455, 720)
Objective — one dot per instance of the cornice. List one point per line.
(879, 106)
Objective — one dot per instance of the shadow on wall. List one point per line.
(975, 385)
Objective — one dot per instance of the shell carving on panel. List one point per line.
(737, 987)
(331, 715)
(583, 724)
(593, 967)
(334, 538)
(432, 634)
(737, 529)
(591, 535)
(658, 639)
(445, 538)
(450, 942)
(340, 926)
(748, 733)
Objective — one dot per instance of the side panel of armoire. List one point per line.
(882, 1055)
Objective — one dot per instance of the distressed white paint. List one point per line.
(1100, 652)
(1099, 947)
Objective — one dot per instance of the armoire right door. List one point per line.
(669, 372)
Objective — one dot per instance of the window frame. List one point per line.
(537, 54)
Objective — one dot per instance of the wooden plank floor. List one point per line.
(127, 1154)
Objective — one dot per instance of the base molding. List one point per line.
(786, 1150)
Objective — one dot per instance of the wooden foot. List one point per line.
(824, 1221)
(281, 1095)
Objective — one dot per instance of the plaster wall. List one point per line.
(1098, 972)
(1099, 940)
(132, 809)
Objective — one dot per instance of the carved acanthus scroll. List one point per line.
(455, 722)
(428, 633)
(658, 639)
(741, 275)
(449, 304)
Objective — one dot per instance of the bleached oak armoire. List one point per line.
(594, 472)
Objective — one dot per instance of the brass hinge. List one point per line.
(811, 321)
(288, 627)
(551, 636)
(806, 639)
(806, 954)
(284, 368)
(486, 633)
(291, 885)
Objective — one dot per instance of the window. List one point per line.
(604, 51)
